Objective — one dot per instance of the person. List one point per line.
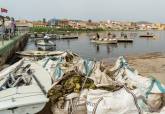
(8, 27)
(97, 36)
(122, 34)
(2, 30)
(109, 34)
(13, 27)
(148, 33)
(125, 36)
(46, 38)
(114, 36)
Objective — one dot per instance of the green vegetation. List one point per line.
(63, 29)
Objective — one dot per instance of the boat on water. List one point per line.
(125, 40)
(45, 45)
(148, 35)
(65, 37)
(32, 53)
(23, 88)
(104, 41)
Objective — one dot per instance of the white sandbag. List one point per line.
(155, 102)
(105, 102)
(99, 77)
(149, 88)
(74, 103)
(85, 66)
(162, 111)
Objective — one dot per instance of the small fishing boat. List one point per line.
(45, 45)
(23, 88)
(32, 53)
(148, 35)
(65, 37)
(105, 41)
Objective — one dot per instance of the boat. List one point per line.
(65, 37)
(23, 88)
(32, 53)
(124, 40)
(148, 35)
(45, 45)
(105, 41)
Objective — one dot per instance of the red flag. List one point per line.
(3, 10)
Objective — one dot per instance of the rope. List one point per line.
(133, 95)
(95, 108)
(86, 77)
(153, 81)
(135, 99)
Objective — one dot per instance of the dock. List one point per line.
(52, 37)
(9, 47)
(68, 37)
(124, 40)
(58, 38)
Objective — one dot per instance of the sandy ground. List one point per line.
(152, 64)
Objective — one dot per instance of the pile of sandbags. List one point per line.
(87, 87)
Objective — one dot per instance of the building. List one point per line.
(23, 25)
(39, 24)
(53, 22)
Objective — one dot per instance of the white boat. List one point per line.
(45, 45)
(148, 35)
(105, 41)
(23, 88)
(32, 53)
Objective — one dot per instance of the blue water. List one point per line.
(86, 49)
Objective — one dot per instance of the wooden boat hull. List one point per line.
(151, 36)
(68, 37)
(39, 53)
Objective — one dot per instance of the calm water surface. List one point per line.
(86, 49)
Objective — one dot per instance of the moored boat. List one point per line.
(125, 40)
(105, 41)
(45, 45)
(32, 53)
(148, 35)
(68, 37)
(23, 88)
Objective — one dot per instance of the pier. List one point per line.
(9, 47)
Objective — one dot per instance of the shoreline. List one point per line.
(148, 65)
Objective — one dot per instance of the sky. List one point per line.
(120, 10)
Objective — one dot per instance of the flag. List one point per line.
(3, 10)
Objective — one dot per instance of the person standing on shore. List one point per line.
(2, 29)
(97, 36)
(13, 27)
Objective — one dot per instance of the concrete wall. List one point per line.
(8, 51)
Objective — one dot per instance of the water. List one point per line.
(86, 49)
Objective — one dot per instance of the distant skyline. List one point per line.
(119, 10)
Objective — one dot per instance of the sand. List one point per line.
(152, 64)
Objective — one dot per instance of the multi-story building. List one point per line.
(23, 25)
(39, 24)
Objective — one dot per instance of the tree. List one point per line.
(44, 20)
(89, 21)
